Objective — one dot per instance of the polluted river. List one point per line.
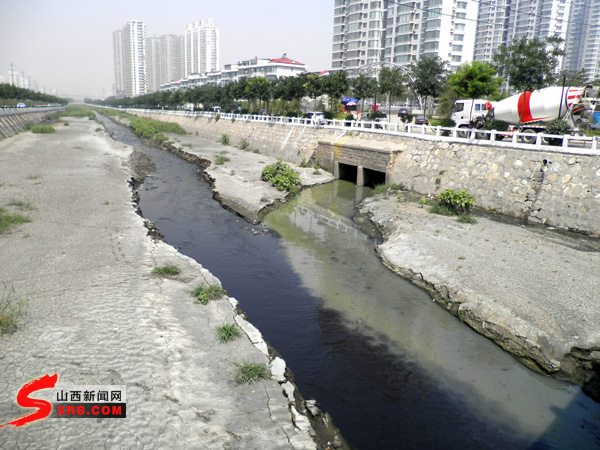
(394, 370)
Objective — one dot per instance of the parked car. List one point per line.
(315, 117)
(403, 112)
(421, 121)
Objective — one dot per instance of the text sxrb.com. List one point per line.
(69, 401)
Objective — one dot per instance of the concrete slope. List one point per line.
(96, 315)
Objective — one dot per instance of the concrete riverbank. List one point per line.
(94, 313)
(533, 292)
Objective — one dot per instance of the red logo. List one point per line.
(43, 407)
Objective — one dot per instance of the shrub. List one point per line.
(221, 159)
(250, 372)
(43, 129)
(282, 176)
(160, 138)
(217, 118)
(147, 128)
(498, 125)
(205, 294)
(460, 202)
(244, 144)
(224, 139)
(442, 210)
(559, 127)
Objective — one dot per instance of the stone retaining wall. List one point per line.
(16, 123)
(555, 189)
(290, 143)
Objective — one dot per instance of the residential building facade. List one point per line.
(118, 88)
(200, 51)
(163, 60)
(583, 38)
(504, 21)
(402, 31)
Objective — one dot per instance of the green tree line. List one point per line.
(11, 96)
(522, 65)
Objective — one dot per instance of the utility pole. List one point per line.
(12, 74)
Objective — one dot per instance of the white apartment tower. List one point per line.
(200, 52)
(502, 22)
(583, 38)
(134, 59)
(118, 88)
(402, 31)
(163, 60)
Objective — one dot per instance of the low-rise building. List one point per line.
(255, 67)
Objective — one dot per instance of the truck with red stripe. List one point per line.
(528, 112)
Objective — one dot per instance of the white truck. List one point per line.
(527, 112)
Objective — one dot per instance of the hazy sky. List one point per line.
(67, 44)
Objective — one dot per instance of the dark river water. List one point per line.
(394, 370)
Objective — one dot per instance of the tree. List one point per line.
(335, 85)
(428, 76)
(260, 89)
(574, 78)
(364, 87)
(391, 84)
(474, 80)
(529, 65)
(313, 86)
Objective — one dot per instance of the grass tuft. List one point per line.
(23, 206)
(10, 308)
(7, 220)
(442, 210)
(221, 159)
(227, 332)
(167, 271)
(250, 372)
(205, 294)
(465, 218)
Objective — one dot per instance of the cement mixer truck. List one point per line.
(528, 112)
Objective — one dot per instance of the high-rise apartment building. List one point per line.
(402, 31)
(163, 60)
(583, 38)
(118, 88)
(143, 65)
(504, 21)
(200, 52)
(133, 60)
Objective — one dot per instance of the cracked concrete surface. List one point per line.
(96, 315)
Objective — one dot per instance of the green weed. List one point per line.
(251, 372)
(167, 271)
(227, 332)
(205, 294)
